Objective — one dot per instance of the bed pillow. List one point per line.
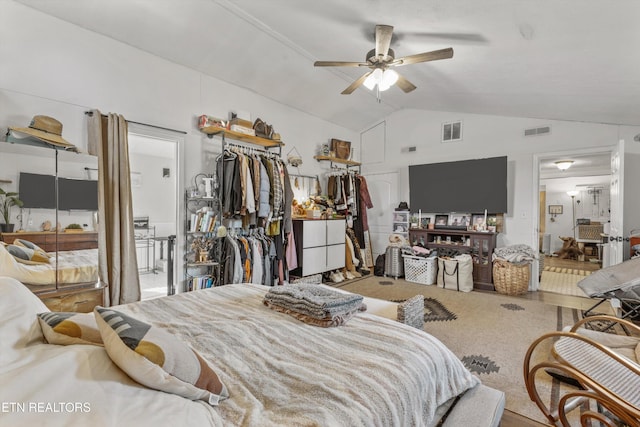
(27, 244)
(18, 325)
(70, 328)
(157, 359)
(26, 255)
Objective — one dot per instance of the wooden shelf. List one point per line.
(5, 181)
(337, 160)
(264, 142)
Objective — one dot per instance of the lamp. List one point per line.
(573, 194)
(383, 78)
(563, 165)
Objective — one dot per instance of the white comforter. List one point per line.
(279, 371)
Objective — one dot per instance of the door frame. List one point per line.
(535, 207)
(178, 138)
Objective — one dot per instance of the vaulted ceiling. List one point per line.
(567, 60)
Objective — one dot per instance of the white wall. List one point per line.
(490, 136)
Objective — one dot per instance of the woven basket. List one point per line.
(510, 278)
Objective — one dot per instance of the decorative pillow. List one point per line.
(31, 245)
(70, 328)
(157, 359)
(26, 255)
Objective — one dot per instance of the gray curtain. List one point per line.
(118, 267)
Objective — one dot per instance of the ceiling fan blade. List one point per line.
(355, 85)
(383, 39)
(405, 84)
(424, 57)
(339, 64)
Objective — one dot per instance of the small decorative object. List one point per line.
(203, 255)
(73, 228)
(442, 219)
(46, 226)
(324, 149)
(403, 206)
(294, 158)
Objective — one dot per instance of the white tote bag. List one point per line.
(456, 273)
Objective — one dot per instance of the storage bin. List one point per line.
(510, 278)
(420, 269)
(590, 232)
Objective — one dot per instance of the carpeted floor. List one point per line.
(489, 332)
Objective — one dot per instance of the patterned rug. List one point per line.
(489, 332)
(562, 281)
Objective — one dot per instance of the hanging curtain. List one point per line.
(118, 266)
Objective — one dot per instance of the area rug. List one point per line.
(489, 332)
(562, 281)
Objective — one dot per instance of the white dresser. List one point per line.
(320, 245)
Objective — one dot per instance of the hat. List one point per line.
(47, 129)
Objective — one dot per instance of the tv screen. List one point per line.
(461, 186)
(77, 194)
(37, 191)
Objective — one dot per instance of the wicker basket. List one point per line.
(510, 278)
(590, 232)
(420, 270)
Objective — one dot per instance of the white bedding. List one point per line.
(79, 266)
(279, 371)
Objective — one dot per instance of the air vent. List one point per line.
(537, 131)
(412, 149)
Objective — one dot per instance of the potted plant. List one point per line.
(8, 199)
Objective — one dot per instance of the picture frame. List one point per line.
(342, 149)
(555, 209)
(424, 221)
(442, 219)
(399, 228)
(399, 216)
(477, 221)
(462, 220)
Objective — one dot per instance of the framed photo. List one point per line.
(442, 219)
(400, 228)
(424, 222)
(342, 149)
(555, 209)
(477, 221)
(460, 220)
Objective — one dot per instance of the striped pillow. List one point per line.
(70, 328)
(157, 359)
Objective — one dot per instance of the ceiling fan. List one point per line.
(381, 60)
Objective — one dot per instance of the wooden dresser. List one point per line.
(77, 299)
(67, 241)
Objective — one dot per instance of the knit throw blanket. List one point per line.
(311, 301)
(515, 253)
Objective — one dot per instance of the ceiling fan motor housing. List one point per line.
(375, 60)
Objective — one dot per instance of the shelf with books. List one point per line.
(201, 217)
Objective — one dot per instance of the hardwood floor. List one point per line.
(553, 261)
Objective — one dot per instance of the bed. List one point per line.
(74, 267)
(278, 370)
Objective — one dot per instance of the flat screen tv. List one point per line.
(77, 195)
(38, 191)
(461, 186)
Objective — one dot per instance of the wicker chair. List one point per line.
(411, 312)
(603, 366)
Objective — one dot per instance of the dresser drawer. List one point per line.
(81, 301)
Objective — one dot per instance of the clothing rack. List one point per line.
(250, 150)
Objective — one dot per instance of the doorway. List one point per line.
(574, 208)
(155, 182)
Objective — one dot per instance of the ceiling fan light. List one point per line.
(389, 78)
(564, 164)
(370, 82)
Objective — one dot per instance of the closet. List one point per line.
(250, 205)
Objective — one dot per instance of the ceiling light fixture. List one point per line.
(384, 79)
(563, 165)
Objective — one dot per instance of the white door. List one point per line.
(383, 189)
(612, 251)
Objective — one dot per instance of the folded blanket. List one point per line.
(313, 301)
(515, 253)
(328, 322)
